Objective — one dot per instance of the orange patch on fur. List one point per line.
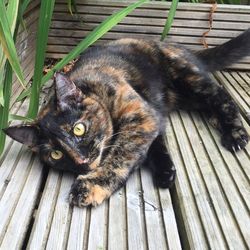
(148, 126)
(128, 108)
(96, 196)
(95, 163)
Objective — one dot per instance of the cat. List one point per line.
(108, 114)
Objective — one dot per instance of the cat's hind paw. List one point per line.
(236, 140)
(84, 192)
(166, 178)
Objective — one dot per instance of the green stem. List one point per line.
(4, 111)
(170, 19)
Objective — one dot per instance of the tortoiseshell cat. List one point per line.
(109, 113)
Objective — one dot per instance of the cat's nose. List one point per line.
(80, 160)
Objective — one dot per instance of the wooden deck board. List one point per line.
(147, 22)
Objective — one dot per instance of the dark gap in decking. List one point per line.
(229, 205)
(86, 229)
(182, 231)
(37, 202)
(213, 208)
(200, 175)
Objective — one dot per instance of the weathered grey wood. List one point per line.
(154, 227)
(13, 191)
(19, 222)
(172, 235)
(191, 228)
(147, 22)
(62, 214)
(44, 214)
(78, 229)
(98, 227)
(117, 228)
(141, 12)
(153, 22)
(234, 201)
(207, 217)
(135, 216)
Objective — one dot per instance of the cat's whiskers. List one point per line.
(110, 146)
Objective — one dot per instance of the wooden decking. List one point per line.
(208, 208)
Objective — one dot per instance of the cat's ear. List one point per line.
(25, 134)
(67, 93)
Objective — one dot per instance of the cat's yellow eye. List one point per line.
(56, 154)
(79, 129)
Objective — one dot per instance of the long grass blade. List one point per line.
(13, 117)
(4, 111)
(12, 10)
(94, 35)
(45, 16)
(72, 3)
(8, 43)
(170, 19)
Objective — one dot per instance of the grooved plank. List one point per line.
(78, 229)
(213, 185)
(13, 190)
(135, 220)
(58, 234)
(117, 222)
(208, 219)
(141, 12)
(172, 235)
(97, 227)
(154, 22)
(78, 35)
(147, 22)
(157, 30)
(191, 228)
(155, 235)
(40, 230)
(240, 212)
(18, 225)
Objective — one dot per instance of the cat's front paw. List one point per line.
(236, 140)
(85, 192)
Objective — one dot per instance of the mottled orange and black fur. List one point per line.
(121, 93)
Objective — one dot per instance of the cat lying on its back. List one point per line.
(108, 114)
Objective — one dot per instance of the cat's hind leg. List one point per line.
(212, 98)
(163, 168)
(192, 82)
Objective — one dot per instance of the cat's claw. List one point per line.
(85, 192)
(236, 140)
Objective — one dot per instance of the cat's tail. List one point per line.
(224, 55)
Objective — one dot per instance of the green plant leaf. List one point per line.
(1, 96)
(46, 11)
(12, 9)
(170, 19)
(7, 42)
(93, 36)
(4, 111)
(20, 118)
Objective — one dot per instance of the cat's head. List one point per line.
(71, 131)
